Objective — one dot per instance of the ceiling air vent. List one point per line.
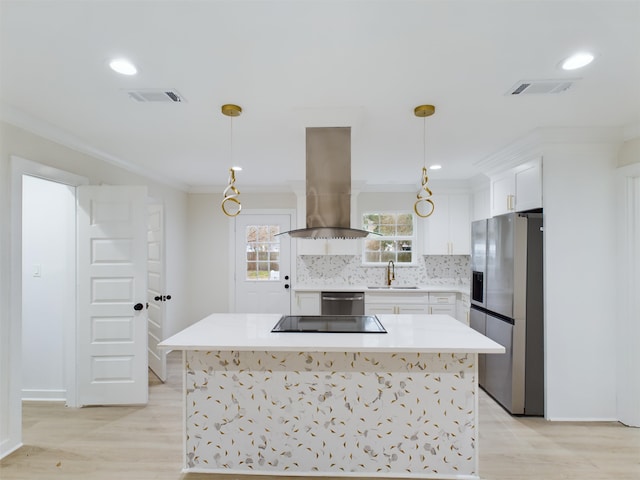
(156, 95)
(541, 86)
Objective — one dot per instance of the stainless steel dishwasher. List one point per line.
(342, 303)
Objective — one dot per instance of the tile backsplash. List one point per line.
(319, 270)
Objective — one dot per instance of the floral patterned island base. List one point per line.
(358, 414)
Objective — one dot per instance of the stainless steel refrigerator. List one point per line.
(507, 305)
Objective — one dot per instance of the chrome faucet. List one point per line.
(391, 272)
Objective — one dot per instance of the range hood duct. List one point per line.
(328, 186)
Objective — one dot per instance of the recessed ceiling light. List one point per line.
(578, 60)
(435, 167)
(122, 66)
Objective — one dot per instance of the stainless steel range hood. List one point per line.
(328, 188)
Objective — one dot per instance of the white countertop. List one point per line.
(405, 333)
(464, 289)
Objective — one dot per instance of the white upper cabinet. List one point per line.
(517, 189)
(448, 229)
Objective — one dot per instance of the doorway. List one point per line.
(12, 398)
(263, 260)
(48, 285)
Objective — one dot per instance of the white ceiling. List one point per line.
(291, 64)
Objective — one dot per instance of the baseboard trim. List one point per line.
(44, 395)
(9, 451)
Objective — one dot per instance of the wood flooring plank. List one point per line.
(145, 443)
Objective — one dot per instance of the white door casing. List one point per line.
(271, 293)
(111, 318)
(156, 290)
(11, 337)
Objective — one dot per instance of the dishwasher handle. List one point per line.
(350, 299)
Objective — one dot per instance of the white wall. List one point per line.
(48, 285)
(628, 352)
(209, 237)
(580, 281)
(17, 141)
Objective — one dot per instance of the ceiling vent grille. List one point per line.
(156, 95)
(533, 87)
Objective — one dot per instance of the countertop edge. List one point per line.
(225, 348)
(463, 289)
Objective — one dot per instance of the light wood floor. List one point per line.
(141, 443)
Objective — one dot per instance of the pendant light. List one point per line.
(231, 206)
(424, 206)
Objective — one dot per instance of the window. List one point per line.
(263, 252)
(396, 241)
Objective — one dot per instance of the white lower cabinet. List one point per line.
(306, 303)
(442, 303)
(395, 303)
(462, 310)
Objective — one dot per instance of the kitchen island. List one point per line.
(402, 403)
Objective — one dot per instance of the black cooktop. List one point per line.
(329, 324)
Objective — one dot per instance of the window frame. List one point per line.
(415, 253)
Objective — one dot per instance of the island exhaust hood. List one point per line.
(328, 185)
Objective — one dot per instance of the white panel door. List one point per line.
(112, 288)
(262, 263)
(156, 290)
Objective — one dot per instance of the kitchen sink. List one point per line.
(392, 287)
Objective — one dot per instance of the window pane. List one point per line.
(387, 230)
(252, 234)
(405, 219)
(373, 257)
(388, 219)
(406, 230)
(387, 256)
(372, 245)
(404, 257)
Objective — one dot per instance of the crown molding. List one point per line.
(537, 141)
(55, 134)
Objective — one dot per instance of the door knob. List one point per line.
(286, 285)
(138, 306)
(157, 298)
(168, 297)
